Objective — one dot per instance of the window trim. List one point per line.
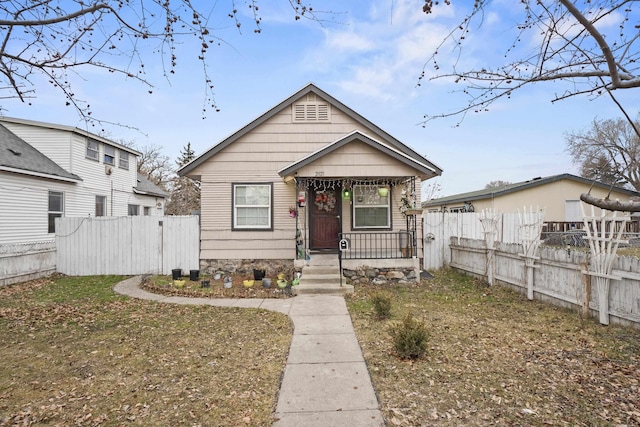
(234, 226)
(129, 206)
(354, 225)
(123, 164)
(51, 226)
(110, 157)
(90, 150)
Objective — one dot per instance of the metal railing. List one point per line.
(401, 244)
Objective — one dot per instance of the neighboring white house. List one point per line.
(49, 171)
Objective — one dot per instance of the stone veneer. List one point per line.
(245, 267)
(380, 276)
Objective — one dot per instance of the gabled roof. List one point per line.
(71, 129)
(489, 193)
(18, 156)
(424, 167)
(309, 88)
(148, 188)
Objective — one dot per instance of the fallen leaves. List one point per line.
(495, 358)
(111, 360)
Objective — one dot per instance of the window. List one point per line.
(133, 210)
(101, 205)
(123, 160)
(252, 206)
(109, 155)
(147, 211)
(56, 208)
(371, 206)
(93, 149)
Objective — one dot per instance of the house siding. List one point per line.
(24, 198)
(551, 197)
(24, 203)
(256, 157)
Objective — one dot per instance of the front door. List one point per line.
(325, 218)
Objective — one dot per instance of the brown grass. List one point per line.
(495, 358)
(73, 353)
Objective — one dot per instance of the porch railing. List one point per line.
(401, 244)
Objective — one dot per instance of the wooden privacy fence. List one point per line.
(561, 276)
(439, 227)
(127, 245)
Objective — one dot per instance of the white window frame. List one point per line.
(109, 155)
(268, 226)
(367, 197)
(93, 149)
(123, 159)
(101, 201)
(52, 213)
(133, 210)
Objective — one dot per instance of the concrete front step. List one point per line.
(325, 288)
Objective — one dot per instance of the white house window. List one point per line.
(93, 149)
(147, 211)
(133, 210)
(101, 205)
(56, 209)
(123, 160)
(252, 206)
(109, 155)
(371, 206)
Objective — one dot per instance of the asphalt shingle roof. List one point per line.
(15, 153)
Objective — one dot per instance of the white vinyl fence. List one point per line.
(439, 227)
(558, 278)
(127, 245)
(25, 261)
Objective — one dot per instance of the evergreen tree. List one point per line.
(185, 193)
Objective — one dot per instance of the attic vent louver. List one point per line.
(311, 112)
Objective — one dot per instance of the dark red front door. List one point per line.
(325, 218)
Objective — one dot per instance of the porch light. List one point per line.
(346, 194)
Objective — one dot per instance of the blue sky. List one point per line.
(369, 57)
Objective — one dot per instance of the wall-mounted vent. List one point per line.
(108, 169)
(311, 112)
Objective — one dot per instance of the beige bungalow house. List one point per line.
(306, 178)
(558, 195)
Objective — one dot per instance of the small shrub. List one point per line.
(382, 305)
(409, 338)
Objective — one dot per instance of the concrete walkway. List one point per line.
(326, 381)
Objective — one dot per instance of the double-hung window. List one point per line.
(93, 149)
(109, 155)
(371, 207)
(56, 209)
(101, 205)
(252, 206)
(123, 158)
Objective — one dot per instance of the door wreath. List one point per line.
(325, 201)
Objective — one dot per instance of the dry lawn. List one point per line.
(74, 353)
(496, 359)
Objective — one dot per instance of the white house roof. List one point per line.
(71, 129)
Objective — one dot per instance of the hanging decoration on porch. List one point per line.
(408, 197)
(326, 201)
